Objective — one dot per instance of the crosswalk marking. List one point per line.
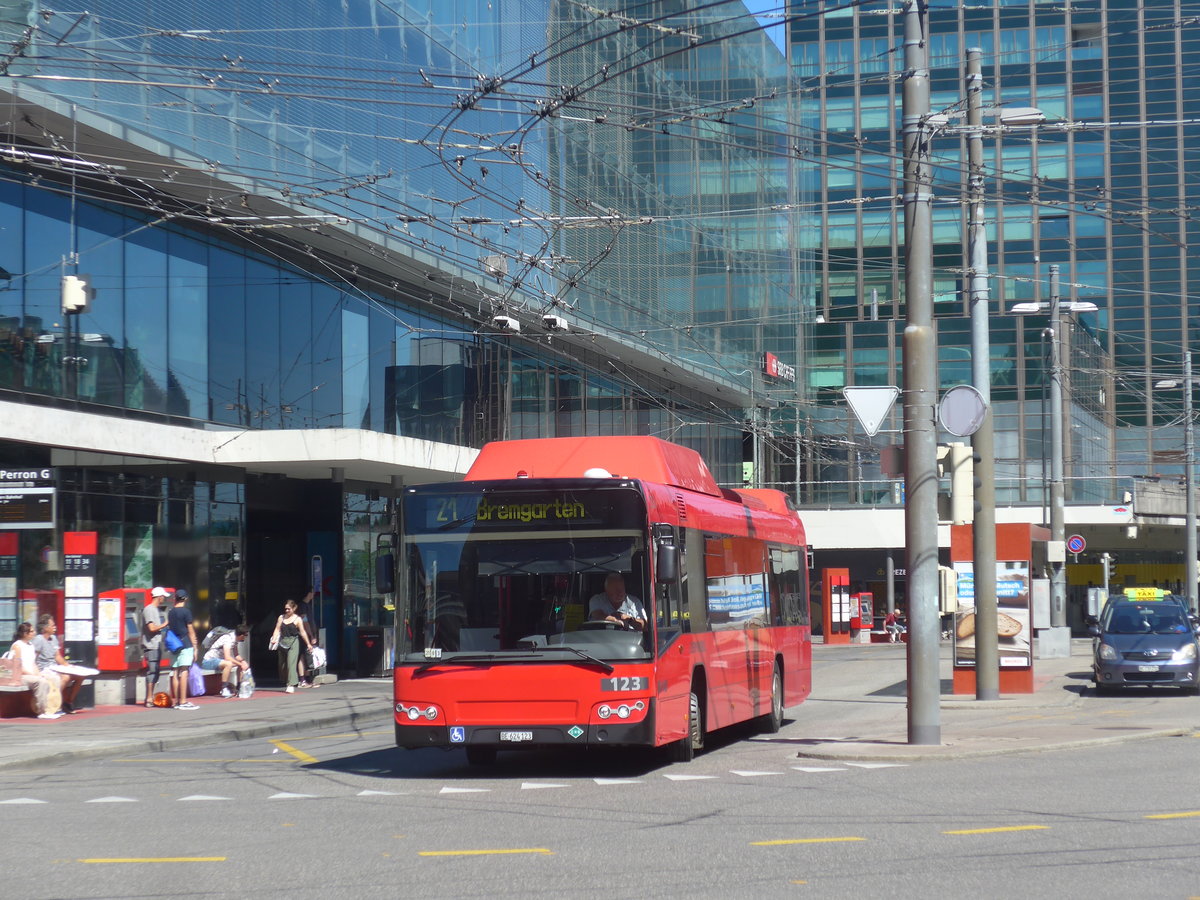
(203, 797)
(751, 774)
(688, 777)
(21, 800)
(457, 790)
(537, 785)
(284, 795)
(818, 769)
(112, 800)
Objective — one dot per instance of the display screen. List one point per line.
(26, 507)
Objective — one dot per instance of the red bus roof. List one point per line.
(621, 456)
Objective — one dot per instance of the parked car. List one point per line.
(1145, 644)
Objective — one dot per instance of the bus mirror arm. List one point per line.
(385, 564)
(666, 564)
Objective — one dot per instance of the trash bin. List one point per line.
(374, 658)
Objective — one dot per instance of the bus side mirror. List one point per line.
(666, 564)
(385, 564)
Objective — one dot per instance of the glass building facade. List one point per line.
(1103, 189)
(360, 221)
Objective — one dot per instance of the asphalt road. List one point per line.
(331, 816)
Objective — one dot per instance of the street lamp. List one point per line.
(1056, 640)
(983, 528)
(1189, 451)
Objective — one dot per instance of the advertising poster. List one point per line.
(1013, 630)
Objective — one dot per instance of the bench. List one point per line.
(16, 700)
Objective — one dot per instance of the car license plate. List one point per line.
(1147, 668)
(516, 736)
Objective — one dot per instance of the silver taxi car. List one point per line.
(1145, 644)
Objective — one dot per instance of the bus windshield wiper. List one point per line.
(607, 667)
(471, 659)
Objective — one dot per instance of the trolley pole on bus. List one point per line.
(920, 388)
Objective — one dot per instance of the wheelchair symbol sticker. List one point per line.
(458, 734)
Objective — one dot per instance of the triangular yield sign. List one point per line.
(871, 404)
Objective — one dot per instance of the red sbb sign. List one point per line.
(776, 369)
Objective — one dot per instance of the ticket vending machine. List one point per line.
(862, 615)
(119, 629)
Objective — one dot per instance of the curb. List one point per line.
(949, 753)
(221, 734)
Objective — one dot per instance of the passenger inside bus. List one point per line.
(615, 605)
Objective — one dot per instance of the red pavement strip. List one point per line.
(100, 712)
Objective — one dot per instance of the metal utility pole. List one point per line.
(1056, 553)
(1189, 462)
(920, 388)
(983, 529)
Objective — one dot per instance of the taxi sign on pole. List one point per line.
(871, 405)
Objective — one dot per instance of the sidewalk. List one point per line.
(857, 711)
(119, 730)
(1063, 712)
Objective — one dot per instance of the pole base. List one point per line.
(1053, 643)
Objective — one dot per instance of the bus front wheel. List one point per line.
(686, 748)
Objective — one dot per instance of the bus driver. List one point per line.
(614, 605)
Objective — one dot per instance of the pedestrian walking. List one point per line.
(286, 639)
(180, 624)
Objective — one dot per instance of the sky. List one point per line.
(776, 31)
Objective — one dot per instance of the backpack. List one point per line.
(211, 637)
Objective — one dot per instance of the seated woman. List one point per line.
(47, 696)
(223, 657)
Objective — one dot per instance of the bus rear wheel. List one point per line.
(686, 748)
(481, 756)
(773, 721)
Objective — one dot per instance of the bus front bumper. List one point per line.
(613, 732)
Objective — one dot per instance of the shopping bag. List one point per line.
(196, 681)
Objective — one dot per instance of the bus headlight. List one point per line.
(604, 711)
(412, 712)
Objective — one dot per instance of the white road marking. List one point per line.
(21, 800)
(286, 796)
(454, 790)
(616, 781)
(203, 797)
(112, 800)
(379, 794)
(751, 774)
(536, 785)
(878, 765)
(817, 769)
(688, 777)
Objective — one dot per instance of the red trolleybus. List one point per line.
(501, 644)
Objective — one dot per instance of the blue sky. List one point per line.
(776, 31)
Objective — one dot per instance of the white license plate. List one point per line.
(1147, 668)
(516, 736)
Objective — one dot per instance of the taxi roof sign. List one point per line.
(1145, 593)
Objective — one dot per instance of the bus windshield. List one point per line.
(479, 584)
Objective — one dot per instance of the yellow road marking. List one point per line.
(288, 748)
(483, 852)
(155, 859)
(1182, 815)
(157, 761)
(829, 840)
(999, 830)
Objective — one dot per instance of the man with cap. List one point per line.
(154, 622)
